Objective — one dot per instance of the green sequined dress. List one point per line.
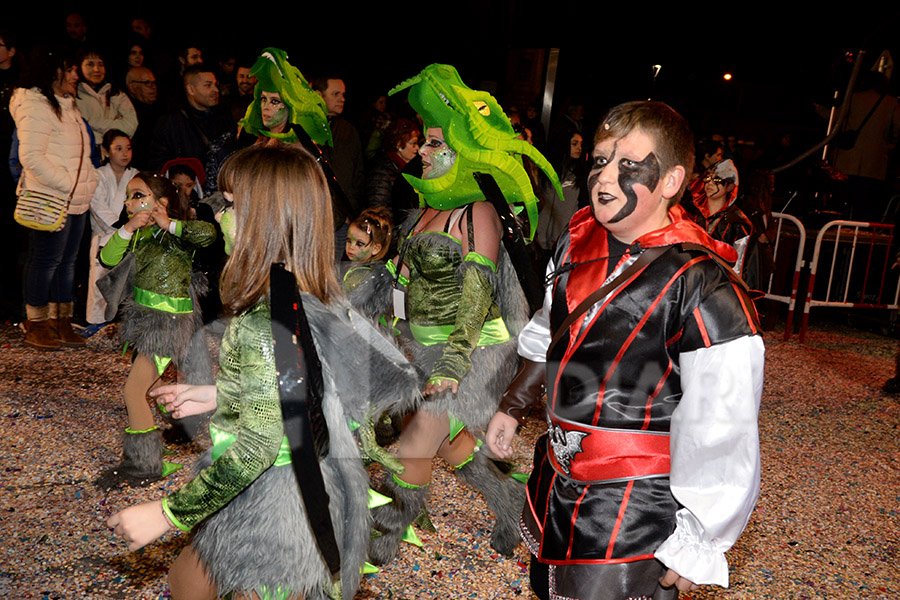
(160, 319)
(464, 314)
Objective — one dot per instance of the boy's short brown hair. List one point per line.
(673, 141)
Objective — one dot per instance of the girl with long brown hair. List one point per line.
(252, 536)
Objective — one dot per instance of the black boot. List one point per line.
(141, 461)
(392, 519)
(505, 498)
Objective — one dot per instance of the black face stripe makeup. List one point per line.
(645, 172)
(600, 163)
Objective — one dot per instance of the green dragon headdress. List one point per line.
(276, 74)
(476, 128)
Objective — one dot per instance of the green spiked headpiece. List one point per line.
(276, 74)
(476, 128)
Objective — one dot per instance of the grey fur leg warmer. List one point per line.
(392, 519)
(505, 498)
(141, 461)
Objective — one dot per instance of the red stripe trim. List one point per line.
(594, 561)
(675, 338)
(530, 504)
(655, 393)
(750, 319)
(615, 533)
(702, 327)
(575, 518)
(638, 328)
(575, 342)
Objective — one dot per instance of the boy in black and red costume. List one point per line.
(650, 469)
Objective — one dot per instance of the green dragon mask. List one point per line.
(476, 128)
(276, 74)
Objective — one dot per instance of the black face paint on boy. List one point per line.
(600, 163)
(645, 172)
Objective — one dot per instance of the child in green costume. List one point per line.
(161, 320)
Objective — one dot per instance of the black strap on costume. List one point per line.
(337, 192)
(513, 242)
(646, 257)
(300, 389)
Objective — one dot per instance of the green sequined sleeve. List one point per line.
(249, 407)
(474, 304)
(197, 233)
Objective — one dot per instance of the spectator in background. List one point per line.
(55, 152)
(156, 57)
(199, 128)
(103, 104)
(106, 209)
(556, 212)
(709, 152)
(868, 134)
(141, 27)
(135, 56)
(400, 145)
(76, 30)
(243, 95)
(189, 56)
(141, 86)
(345, 157)
(571, 122)
(226, 75)
(373, 120)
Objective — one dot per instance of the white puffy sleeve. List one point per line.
(714, 447)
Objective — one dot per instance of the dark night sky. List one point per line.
(783, 57)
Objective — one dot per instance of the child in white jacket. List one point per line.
(106, 206)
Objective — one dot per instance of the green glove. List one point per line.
(375, 452)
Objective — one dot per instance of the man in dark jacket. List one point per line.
(199, 129)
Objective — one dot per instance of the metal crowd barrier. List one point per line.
(851, 237)
(790, 300)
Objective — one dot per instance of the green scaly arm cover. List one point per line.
(474, 304)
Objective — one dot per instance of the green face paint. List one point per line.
(276, 118)
(441, 163)
(437, 156)
(359, 244)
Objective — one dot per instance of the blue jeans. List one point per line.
(50, 268)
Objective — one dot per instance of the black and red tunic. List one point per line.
(599, 492)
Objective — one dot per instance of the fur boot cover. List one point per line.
(179, 336)
(141, 461)
(505, 498)
(262, 538)
(392, 519)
